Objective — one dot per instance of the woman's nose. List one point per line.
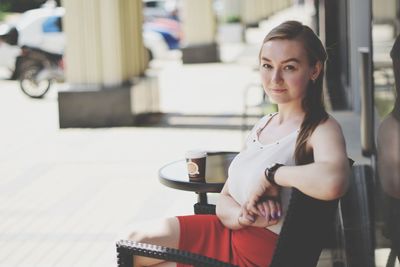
(277, 77)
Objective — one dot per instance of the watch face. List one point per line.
(271, 171)
(273, 166)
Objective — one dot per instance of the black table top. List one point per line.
(175, 174)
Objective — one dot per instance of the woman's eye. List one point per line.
(267, 66)
(289, 67)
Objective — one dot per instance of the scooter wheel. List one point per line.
(29, 83)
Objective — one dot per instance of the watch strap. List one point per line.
(270, 173)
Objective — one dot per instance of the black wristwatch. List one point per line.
(270, 172)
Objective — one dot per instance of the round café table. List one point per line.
(175, 175)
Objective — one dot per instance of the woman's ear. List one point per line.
(316, 70)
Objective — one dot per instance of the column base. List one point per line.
(98, 107)
(200, 53)
(79, 108)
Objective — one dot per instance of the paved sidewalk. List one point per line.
(66, 194)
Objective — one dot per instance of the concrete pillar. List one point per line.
(250, 13)
(283, 5)
(275, 5)
(259, 14)
(104, 44)
(199, 31)
(266, 8)
(104, 52)
(83, 64)
(384, 11)
(136, 57)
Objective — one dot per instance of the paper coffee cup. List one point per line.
(196, 165)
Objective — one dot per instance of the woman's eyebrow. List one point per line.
(284, 61)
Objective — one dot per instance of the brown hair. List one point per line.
(313, 102)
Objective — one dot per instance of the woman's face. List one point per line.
(285, 70)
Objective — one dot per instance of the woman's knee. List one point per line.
(165, 233)
(137, 235)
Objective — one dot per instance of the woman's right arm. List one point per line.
(234, 216)
(228, 210)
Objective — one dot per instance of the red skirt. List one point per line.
(206, 235)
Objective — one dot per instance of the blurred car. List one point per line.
(159, 8)
(155, 45)
(161, 17)
(42, 29)
(169, 29)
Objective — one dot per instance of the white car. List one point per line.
(41, 28)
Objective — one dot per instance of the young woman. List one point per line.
(300, 146)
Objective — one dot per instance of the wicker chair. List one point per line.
(306, 231)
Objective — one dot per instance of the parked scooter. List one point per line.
(37, 70)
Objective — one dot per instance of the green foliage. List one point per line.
(21, 5)
(233, 19)
(270, 108)
(384, 104)
(4, 7)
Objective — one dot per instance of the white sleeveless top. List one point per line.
(247, 167)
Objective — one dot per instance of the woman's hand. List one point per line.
(268, 213)
(246, 218)
(262, 192)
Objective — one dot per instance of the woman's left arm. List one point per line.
(327, 177)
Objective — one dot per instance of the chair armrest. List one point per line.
(126, 249)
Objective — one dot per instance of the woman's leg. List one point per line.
(163, 233)
(165, 264)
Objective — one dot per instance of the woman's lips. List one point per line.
(278, 91)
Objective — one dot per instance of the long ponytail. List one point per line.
(313, 102)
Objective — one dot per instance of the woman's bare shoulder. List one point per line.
(331, 125)
(328, 142)
(327, 130)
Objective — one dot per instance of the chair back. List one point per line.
(304, 232)
(307, 229)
